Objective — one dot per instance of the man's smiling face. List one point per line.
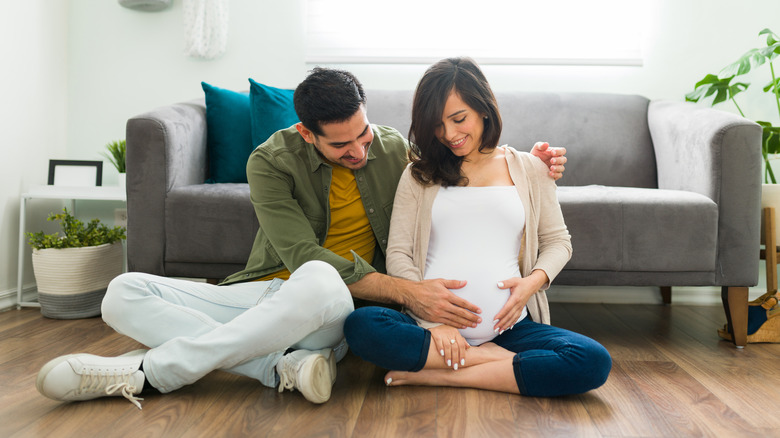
(344, 143)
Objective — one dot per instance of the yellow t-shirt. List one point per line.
(349, 225)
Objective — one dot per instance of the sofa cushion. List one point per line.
(209, 223)
(228, 134)
(635, 229)
(271, 109)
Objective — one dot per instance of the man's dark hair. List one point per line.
(433, 162)
(327, 96)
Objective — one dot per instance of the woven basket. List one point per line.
(73, 281)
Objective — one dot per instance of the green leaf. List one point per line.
(703, 88)
(709, 79)
(76, 234)
(771, 38)
(751, 59)
(770, 137)
(722, 88)
(117, 151)
(770, 87)
(770, 52)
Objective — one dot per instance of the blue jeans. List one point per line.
(549, 361)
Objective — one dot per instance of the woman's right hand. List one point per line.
(450, 345)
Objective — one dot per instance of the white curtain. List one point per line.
(205, 28)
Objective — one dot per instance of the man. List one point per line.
(323, 192)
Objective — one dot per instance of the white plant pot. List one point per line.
(122, 180)
(72, 281)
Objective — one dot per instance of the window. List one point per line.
(566, 32)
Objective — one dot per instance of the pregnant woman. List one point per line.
(470, 210)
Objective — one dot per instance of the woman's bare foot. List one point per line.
(400, 378)
(495, 376)
(487, 352)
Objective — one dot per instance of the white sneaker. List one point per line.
(330, 356)
(77, 377)
(310, 372)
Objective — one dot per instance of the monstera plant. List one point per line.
(726, 85)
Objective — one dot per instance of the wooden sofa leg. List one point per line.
(770, 253)
(735, 303)
(666, 294)
(213, 280)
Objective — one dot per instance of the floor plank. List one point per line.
(471, 412)
(397, 411)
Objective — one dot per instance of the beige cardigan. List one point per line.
(547, 240)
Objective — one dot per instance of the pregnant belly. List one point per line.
(488, 297)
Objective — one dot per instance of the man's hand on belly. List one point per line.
(433, 301)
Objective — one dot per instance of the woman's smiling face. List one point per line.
(461, 127)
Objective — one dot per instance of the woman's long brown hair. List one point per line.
(432, 161)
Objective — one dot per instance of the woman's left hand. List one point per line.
(520, 290)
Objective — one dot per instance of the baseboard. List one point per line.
(690, 295)
(604, 294)
(8, 297)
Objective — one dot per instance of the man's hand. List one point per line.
(433, 301)
(554, 158)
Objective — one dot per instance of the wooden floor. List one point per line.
(671, 377)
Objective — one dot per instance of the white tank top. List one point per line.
(475, 236)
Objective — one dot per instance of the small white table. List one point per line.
(107, 193)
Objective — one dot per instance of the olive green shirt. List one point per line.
(289, 184)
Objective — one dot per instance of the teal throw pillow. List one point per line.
(229, 134)
(271, 109)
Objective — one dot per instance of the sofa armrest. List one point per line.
(166, 148)
(716, 154)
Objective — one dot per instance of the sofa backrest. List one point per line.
(391, 108)
(606, 135)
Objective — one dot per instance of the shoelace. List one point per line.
(287, 376)
(93, 382)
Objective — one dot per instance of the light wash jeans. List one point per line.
(194, 328)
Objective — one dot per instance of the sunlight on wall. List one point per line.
(598, 32)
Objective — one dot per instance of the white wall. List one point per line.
(33, 127)
(124, 62)
(121, 62)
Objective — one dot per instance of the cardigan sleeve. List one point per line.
(402, 238)
(553, 236)
(403, 246)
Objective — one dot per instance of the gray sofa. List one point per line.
(655, 193)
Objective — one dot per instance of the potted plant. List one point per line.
(115, 153)
(724, 86)
(73, 270)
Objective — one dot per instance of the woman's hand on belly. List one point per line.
(520, 290)
(453, 353)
